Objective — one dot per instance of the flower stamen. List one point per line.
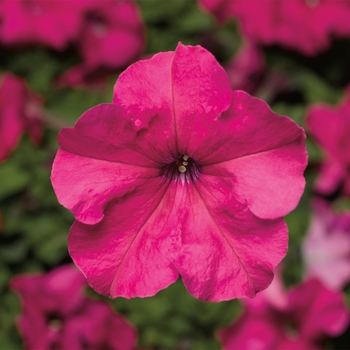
(182, 166)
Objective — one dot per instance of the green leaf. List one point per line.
(12, 179)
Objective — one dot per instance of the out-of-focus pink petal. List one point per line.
(221, 9)
(11, 123)
(331, 177)
(305, 26)
(31, 324)
(53, 23)
(61, 289)
(79, 75)
(246, 69)
(318, 310)
(58, 316)
(108, 328)
(290, 343)
(112, 35)
(58, 293)
(330, 127)
(250, 332)
(326, 248)
(312, 312)
(97, 326)
(20, 112)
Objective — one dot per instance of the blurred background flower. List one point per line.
(57, 315)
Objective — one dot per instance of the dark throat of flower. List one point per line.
(183, 169)
(54, 320)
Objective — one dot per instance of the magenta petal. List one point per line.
(97, 326)
(52, 23)
(145, 89)
(201, 92)
(270, 182)
(246, 247)
(11, 123)
(330, 127)
(86, 196)
(106, 132)
(318, 309)
(248, 127)
(251, 331)
(109, 148)
(124, 255)
(264, 153)
(326, 248)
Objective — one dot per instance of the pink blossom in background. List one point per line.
(111, 37)
(221, 9)
(310, 313)
(245, 71)
(57, 315)
(326, 247)
(306, 26)
(179, 176)
(20, 112)
(51, 23)
(109, 34)
(330, 127)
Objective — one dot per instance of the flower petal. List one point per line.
(106, 132)
(124, 254)
(247, 127)
(330, 127)
(320, 310)
(87, 195)
(265, 154)
(115, 154)
(251, 331)
(145, 239)
(226, 251)
(145, 89)
(201, 92)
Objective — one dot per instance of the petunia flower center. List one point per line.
(183, 168)
(312, 3)
(54, 321)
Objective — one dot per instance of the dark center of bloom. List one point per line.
(291, 329)
(54, 321)
(98, 23)
(183, 169)
(312, 3)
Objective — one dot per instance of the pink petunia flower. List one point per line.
(57, 315)
(246, 69)
(311, 312)
(179, 176)
(326, 247)
(330, 127)
(111, 37)
(303, 25)
(20, 111)
(51, 23)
